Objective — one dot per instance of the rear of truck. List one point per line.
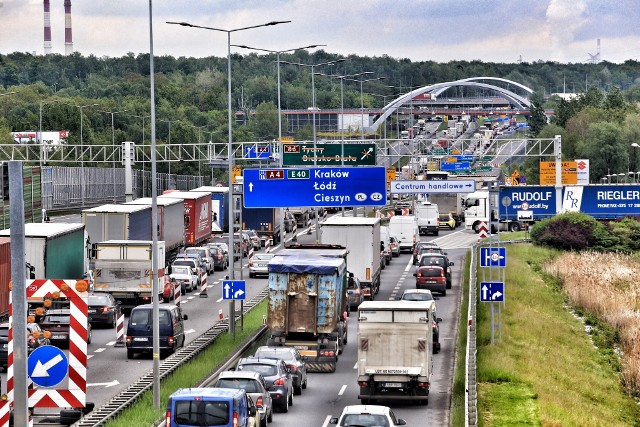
(123, 269)
(395, 351)
(307, 305)
(265, 222)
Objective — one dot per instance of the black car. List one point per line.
(294, 361)
(438, 259)
(103, 309)
(277, 376)
(418, 247)
(426, 250)
(220, 257)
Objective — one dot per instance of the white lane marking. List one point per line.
(184, 301)
(111, 343)
(409, 264)
(189, 331)
(210, 286)
(342, 389)
(220, 299)
(99, 350)
(197, 293)
(191, 297)
(89, 356)
(326, 421)
(355, 366)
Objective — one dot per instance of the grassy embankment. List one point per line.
(544, 369)
(142, 413)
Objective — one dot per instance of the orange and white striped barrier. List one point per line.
(177, 294)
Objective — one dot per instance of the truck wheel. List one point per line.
(69, 416)
(476, 227)
(514, 226)
(129, 354)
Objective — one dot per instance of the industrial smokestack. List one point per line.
(68, 40)
(47, 28)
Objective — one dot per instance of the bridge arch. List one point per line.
(498, 79)
(521, 102)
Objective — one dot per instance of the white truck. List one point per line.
(395, 348)
(361, 237)
(449, 203)
(123, 269)
(428, 216)
(482, 207)
(405, 230)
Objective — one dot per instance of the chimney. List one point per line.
(68, 41)
(47, 28)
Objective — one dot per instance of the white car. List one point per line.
(420, 295)
(185, 276)
(259, 265)
(367, 415)
(203, 251)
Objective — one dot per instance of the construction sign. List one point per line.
(286, 139)
(236, 171)
(569, 173)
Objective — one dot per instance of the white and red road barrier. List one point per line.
(267, 245)
(220, 314)
(203, 285)
(120, 330)
(484, 232)
(177, 293)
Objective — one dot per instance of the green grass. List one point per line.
(458, 395)
(543, 370)
(142, 413)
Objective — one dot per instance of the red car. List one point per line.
(431, 277)
(169, 289)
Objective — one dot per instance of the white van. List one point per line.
(385, 243)
(405, 228)
(428, 218)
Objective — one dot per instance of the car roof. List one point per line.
(258, 360)
(417, 291)
(58, 311)
(240, 374)
(276, 349)
(371, 409)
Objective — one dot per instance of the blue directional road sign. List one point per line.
(47, 366)
(432, 187)
(456, 166)
(233, 289)
(257, 152)
(315, 187)
(493, 257)
(491, 291)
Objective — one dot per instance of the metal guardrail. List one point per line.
(470, 382)
(127, 397)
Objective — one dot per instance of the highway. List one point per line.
(109, 371)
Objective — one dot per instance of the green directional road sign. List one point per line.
(486, 168)
(329, 154)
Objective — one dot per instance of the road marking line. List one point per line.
(191, 297)
(409, 265)
(99, 350)
(342, 389)
(220, 299)
(111, 343)
(89, 356)
(355, 366)
(326, 421)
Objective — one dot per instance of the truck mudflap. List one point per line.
(326, 367)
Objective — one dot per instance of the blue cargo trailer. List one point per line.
(219, 206)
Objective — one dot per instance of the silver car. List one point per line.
(255, 386)
(259, 265)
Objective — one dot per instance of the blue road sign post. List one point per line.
(257, 152)
(493, 257)
(234, 290)
(432, 187)
(491, 291)
(47, 366)
(315, 187)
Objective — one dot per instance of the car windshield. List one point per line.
(201, 413)
(264, 370)
(365, 420)
(56, 318)
(415, 296)
(271, 354)
(247, 384)
(262, 257)
(99, 300)
(432, 260)
(178, 269)
(188, 263)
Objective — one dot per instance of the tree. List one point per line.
(537, 119)
(606, 149)
(264, 124)
(614, 100)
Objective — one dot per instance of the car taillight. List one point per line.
(357, 292)
(167, 419)
(279, 381)
(105, 309)
(259, 402)
(251, 264)
(171, 341)
(327, 353)
(129, 339)
(442, 273)
(293, 368)
(235, 419)
(219, 255)
(414, 238)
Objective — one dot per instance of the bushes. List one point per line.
(577, 231)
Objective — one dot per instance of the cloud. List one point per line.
(564, 19)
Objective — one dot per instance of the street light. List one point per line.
(230, 142)
(169, 143)
(362, 102)
(635, 146)
(313, 115)
(622, 174)
(82, 180)
(280, 144)
(113, 143)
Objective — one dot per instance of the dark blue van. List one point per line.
(224, 407)
(139, 337)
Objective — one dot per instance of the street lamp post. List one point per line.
(362, 102)
(113, 144)
(82, 179)
(313, 115)
(230, 145)
(635, 146)
(280, 144)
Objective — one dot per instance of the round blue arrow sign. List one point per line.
(47, 366)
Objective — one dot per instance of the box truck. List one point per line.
(117, 222)
(197, 215)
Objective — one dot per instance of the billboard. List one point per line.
(539, 201)
(603, 201)
(548, 173)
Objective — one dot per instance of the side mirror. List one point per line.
(185, 317)
(415, 274)
(401, 422)
(333, 421)
(252, 411)
(438, 319)
(450, 262)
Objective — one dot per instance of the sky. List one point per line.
(504, 31)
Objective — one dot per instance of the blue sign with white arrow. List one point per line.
(455, 166)
(491, 291)
(432, 187)
(315, 187)
(257, 152)
(234, 290)
(493, 257)
(47, 366)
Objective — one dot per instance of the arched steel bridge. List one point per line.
(518, 101)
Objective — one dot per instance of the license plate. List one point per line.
(91, 311)
(140, 339)
(59, 337)
(262, 265)
(4, 345)
(393, 385)
(430, 281)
